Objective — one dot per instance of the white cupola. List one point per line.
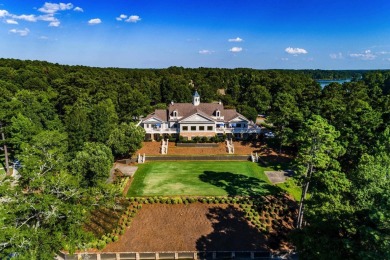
(196, 99)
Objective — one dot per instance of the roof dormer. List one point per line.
(217, 113)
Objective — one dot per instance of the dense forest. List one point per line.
(66, 124)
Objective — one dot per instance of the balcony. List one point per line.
(158, 130)
(226, 130)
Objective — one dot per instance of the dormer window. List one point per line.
(217, 113)
(174, 113)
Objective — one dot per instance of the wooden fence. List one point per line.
(192, 255)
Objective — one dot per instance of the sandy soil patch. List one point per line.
(193, 227)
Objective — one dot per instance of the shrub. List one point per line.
(101, 244)
(121, 232)
(204, 139)
(115, 238)
(139, 206)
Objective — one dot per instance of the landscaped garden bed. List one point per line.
(199, 224)
(195, 206)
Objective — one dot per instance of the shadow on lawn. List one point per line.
(238, 184)
(231, 232)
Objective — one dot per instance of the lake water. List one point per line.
(324, 82)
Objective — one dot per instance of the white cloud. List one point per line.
(51, 8)
(366, 55)
(382, 53)
(336, 56)
(49, 11)
(236, 49)
(94, 21)
(133, 19)
(28, 18)
(205, 52)
(295, 51)
(78, 9)
(3, 13)
(11, 21)
(121, 17)
(284, 59)
(24, 32)
(238, 39)
(54, 24)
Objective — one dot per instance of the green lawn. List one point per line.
(200, 179)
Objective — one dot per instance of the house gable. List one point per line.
(197, 118)
(239, 119)
(153, 120)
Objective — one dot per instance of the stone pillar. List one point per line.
(157, 257)
(176, 255)
(137, 256)
(118, 256)
(98, 257)
(252, 255)
(214, 255)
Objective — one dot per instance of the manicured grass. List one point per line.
(200, 179)
(291, 187)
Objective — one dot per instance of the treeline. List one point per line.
(65, 124)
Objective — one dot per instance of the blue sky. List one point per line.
(261, 34)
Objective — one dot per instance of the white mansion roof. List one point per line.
(184, 111)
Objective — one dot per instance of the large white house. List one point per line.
(197, 119)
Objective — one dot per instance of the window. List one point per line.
(175, 113)
(210, 128)
(185, 128)
(193, 128)
(201, 128)
(238, 125)
(174, 125)
(218, 113)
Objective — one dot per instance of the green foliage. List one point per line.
(50, 111)
(93, 163)
(126, 139)
(78, 125)
(103, 120)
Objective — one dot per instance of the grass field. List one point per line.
(200, 179)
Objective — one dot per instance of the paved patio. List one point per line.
(279, 176)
